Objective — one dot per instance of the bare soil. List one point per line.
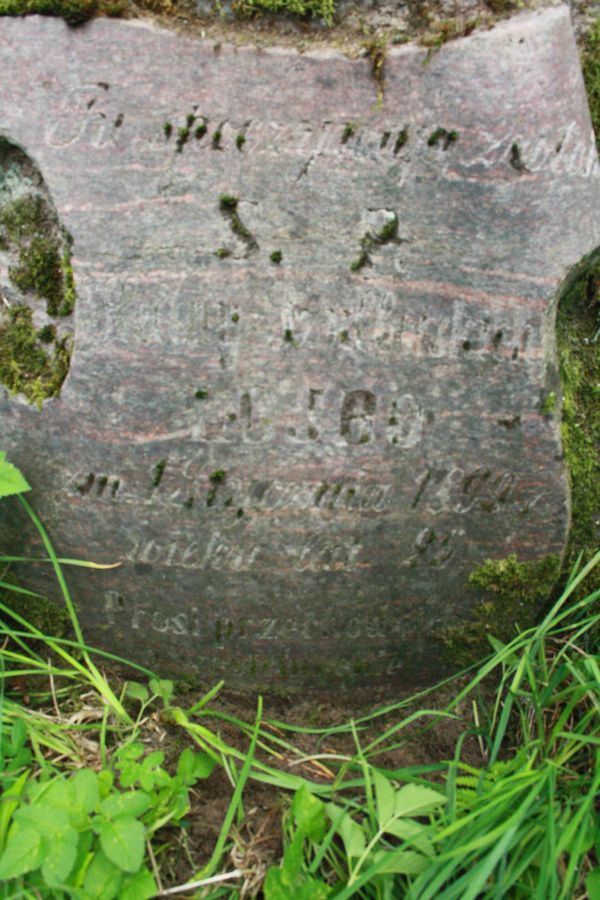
(258, 841)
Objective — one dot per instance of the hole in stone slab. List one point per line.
(37, 287)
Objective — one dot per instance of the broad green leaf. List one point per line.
(154, 759)
(60, 795)
(23, 853)
(130, 751)
(85, 787)
(185, 765)
(163, 688)
(413, 832)
(11, 480)
(350, 832)
(105, 782)
(309, 814)
(401, 862)
(128, 803)
(203, 765)
(139, 887)
(385, 797)
(417, 800)
(49, 820)
(102, 879)
(176, 802)
(123, 843)
(130, 773)
(61, 853)
(592, 884)
(192, 766)
(277, 887)
(292, 860)
(137, 691)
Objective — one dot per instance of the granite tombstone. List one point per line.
(300, 340)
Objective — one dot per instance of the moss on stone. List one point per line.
(516, 590)
(591, 74)
(443, 137)
(349, 129)
(323, 9)
(548, 406)
(578, 326)
(68, 279)
(48, 617)
(401, 140)
(34, 361)
(39, 271)
(228, 203)
(74, 12)
(25, 366)
(445, 30)
(31, 231)
(389, 232)
(25, 217)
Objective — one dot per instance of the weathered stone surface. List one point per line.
(300, 462)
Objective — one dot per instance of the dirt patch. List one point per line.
(308, 738)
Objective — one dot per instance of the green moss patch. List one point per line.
(74, 12)
(228, 205)
(30, 231)
(34, 360)
(387, 234)
(27, 366)
(578, 336)
(516, 590)
(591, 74)
(43, 614)
(323, 9)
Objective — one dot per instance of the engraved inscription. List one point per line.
(459, 491)
(315, 553)
(356, 423)
(299, 427)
